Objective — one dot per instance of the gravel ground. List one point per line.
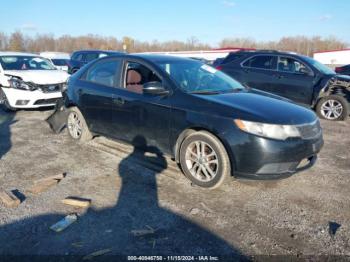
(132, 190)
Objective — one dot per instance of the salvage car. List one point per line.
(83, 57)
(29, 81)
(296, 77)
(209, 123)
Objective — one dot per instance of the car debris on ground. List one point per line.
(64, 223)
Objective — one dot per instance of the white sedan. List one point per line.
(29, 81)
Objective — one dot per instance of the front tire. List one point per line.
(333, 107)
(77, 127)
(204, 160)
(5, 102)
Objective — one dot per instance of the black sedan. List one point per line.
(209, 123)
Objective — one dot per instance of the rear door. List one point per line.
(96, 94)
(257, 72)
(295, 80)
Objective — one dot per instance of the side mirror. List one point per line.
(154, 88)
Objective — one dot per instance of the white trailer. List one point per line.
(333, 58)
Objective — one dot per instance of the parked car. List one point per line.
(29, 81)
(343, 70)
(83, 57)
(218, 61)
(296, 77)
(209, 123)
(60, 60)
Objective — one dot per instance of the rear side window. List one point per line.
(59, 62)
(103, 72)
(90, 57)
(77, 56)
(262, 62)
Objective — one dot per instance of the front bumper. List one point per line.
(30, 99)
(262, 158)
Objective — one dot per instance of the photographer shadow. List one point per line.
(6, 120)
(135, 226)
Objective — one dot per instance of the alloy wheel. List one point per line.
(202, 161)
(331, 109)
(74, 125)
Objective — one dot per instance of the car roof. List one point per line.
(97, 51)
(160, 58)
(266, 52)
(17, 54)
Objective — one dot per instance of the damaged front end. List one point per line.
(337, 85)
(58, 120)
(18, 83)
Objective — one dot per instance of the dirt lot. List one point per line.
(131, 190)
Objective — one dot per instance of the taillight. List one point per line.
(219, 68)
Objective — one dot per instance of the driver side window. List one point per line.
(290, 65)
(137, 75)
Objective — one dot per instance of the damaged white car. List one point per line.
(29, 81)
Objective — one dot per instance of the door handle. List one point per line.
(118, 101)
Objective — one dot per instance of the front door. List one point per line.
(295, 80)
(137, 116)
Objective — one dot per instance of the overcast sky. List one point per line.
(208, 20)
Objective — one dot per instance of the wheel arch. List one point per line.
(185, 133)
(334, 89)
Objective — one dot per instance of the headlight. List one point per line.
(281, 132)
(19, 84)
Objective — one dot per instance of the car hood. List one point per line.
(342, 77)
(259, 106)
(40, 77)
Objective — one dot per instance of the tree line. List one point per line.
(17, 41)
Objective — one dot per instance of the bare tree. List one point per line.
(16, 42)
(3, 41)
(66, 43)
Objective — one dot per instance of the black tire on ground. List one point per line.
(6, 105)
(338, 101)
(221, 170)
(82, 133)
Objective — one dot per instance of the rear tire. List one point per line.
(333, 108)
(204, 160)
(76, 126)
